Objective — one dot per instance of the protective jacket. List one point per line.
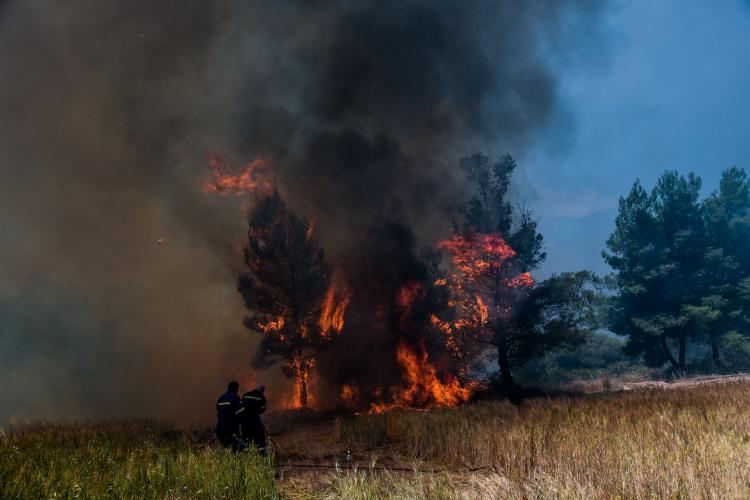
(253, 404)
(227, 423)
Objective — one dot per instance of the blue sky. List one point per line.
(671, 92)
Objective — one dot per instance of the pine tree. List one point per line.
(727, 216)
(283, 287)
(658, 251)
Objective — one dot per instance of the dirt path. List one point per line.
(687, 382)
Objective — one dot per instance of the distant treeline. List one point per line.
(679, 297)
(682, 271)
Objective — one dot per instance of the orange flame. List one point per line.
(349, 394)
(256, 177)
(305, 380)
(272, 325)
(523, 280)
(423, 387)
(310, 229)
(407, 294)
(334, 306)
(482, 307)
(478, 253)
(482, 261)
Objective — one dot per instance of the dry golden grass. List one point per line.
(689, 442)
(682, 443)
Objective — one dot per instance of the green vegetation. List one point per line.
(682, 270)
(599, 364)
(125, 459)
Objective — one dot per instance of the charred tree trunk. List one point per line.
(302, 382)
(668, 353)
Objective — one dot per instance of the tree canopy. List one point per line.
(679, 265)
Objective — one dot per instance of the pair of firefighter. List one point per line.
(238, 419)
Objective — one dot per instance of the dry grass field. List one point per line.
(688, 442)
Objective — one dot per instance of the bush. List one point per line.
(601, 358)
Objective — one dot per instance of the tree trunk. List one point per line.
(667, 352)
(715, 350)
(682, 353)
(503, 361)
(300, 375)
(302, 380)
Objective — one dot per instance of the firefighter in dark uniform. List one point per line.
(253, 404)
(227, 423)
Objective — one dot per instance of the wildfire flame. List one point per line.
(478, 259)
(349, 394)
(310, 229)
(272, 325)
(422, 384)
(256, 178)
(482, 261)
(334, 306)
(478, 254)
(423, 387)
(305, 378)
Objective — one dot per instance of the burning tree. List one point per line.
(484, 292)
(287, 289)
(494, 299)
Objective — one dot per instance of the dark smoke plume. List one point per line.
(117, 273)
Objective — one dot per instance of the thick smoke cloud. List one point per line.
(117, 273)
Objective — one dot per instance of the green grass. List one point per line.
(136, 459)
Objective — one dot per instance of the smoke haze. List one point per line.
(117, 274)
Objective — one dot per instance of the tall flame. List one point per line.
(256, 178)
(423, 388)
(334, 306)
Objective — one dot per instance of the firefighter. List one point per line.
(227, 424)
(253, 404)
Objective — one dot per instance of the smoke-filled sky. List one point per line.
(117, 274)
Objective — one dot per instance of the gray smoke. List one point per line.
(117, 273)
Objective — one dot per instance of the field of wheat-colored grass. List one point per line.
(691, 442)
(682, 443)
